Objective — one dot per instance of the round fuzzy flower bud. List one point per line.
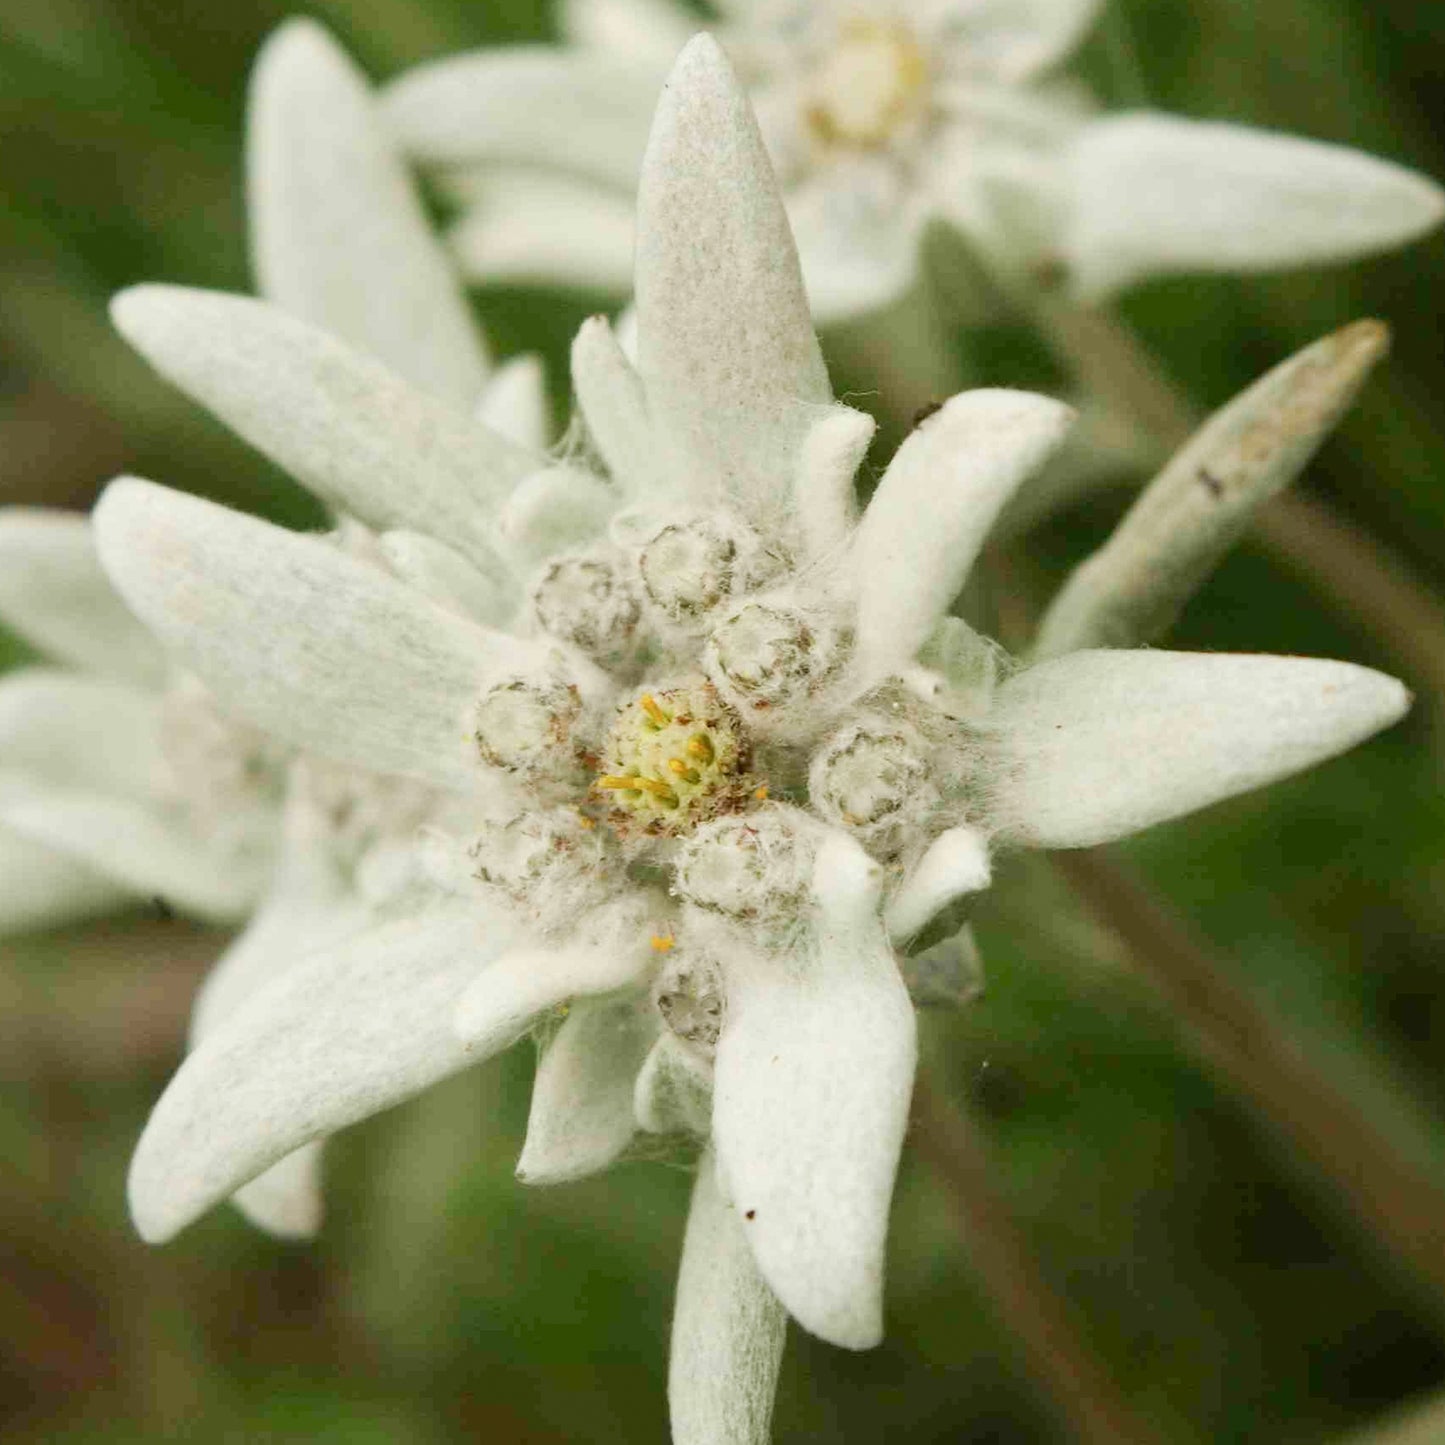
(689, 996)
(551, 860)
(773, 655)
(587, 601)
(673, 759)
(756, 866)
(691, 568)
(526, 726)
(875, 778)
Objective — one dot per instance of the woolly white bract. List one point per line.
(881, 116)
(123, 779)
(715, 752)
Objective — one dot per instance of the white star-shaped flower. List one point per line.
(881, 116)
(724, 760)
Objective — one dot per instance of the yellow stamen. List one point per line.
(700, 747)
(663, 942)
(612, 782)
(761, 793)
(680, 769)
(649, 705)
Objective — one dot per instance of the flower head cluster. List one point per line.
(880, 117)
(701, 753)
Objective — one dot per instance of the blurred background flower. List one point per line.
(1222, 1290)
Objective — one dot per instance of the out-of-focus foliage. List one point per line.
(446, 1303)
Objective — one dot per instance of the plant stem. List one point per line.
(1058, 1355)
(1357, 574)
(1402, 1207)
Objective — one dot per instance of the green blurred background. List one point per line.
(1207, 1267)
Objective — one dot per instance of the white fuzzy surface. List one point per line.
(514, 402)
(581, 1118)
(728, 1330)
(338, 234)
(726, 349)
(824, 496)
(614, 406)
(609, 950)
(934, 507)
(1151, 194)
(1097, 745)
(528, 104)
(814, 1073)
(956, 863)
(344, 425)
(307, 643)
(349, 1032)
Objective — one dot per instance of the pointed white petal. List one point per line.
(309, 904)
(141, 849)
(338, 234)
(509, 997)
(934, 507)
(352, 1031)
(1011, 40)
(1153, 194)
(528, 105)
(581, 1117)
(726, 348)
(824, 493)
(309, 644)
(813, 1077)
(1130, 591)
(728, 1330)
(1096, 745)
(545, 229)
(81, 734)
(514, 403)
(673, 1092)
(286, 1200)
(342, 424)
(614, 406)
(654, 30)
(450, 580)
(955, 864)
(55, 595)
(41, 888)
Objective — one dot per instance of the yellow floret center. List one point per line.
(869, 85)
(672, 758)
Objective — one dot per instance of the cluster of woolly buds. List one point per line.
(775, 656)
(689, 995)
(693, 566)
(228, 777)
(756, 866)
(555, 862)
(674, 758)
(588, 600)
(531, 727)
(876, 777)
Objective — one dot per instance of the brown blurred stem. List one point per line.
(1402, 1208)
(1357, 574)
(1054, 1343)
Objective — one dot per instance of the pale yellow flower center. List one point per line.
(868, 86)
(673, 759)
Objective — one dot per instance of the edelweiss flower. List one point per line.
(726, 761)
(124, 781)
(881, 116)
